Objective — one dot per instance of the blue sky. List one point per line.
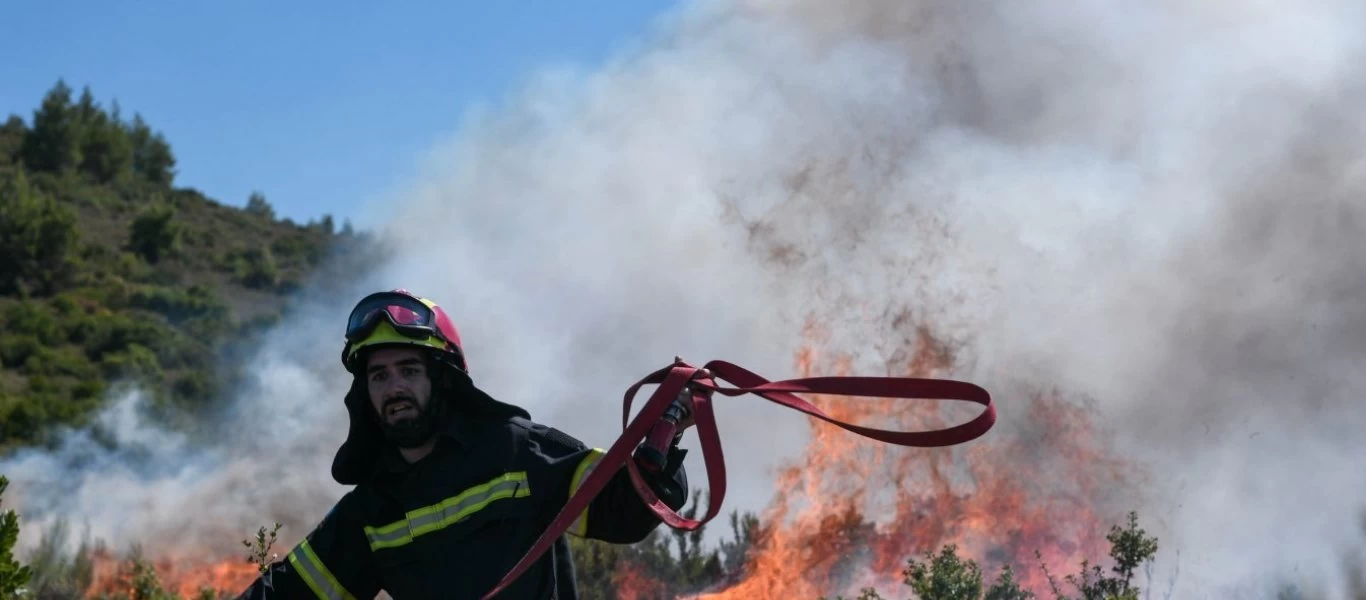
(320, 106)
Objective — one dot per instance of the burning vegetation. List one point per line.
(847, 518)
(997, 519)
(854, 509)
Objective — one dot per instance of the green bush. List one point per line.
(62, 361)
(99, 258)
(258, 206)
(38, 237)
(178, 305)
(133, 360)
(28, 317)
(119, 331)
(947, 576)
(111, 293)
(15, 349)
(194, 387)
(82, 329)
(20, 418)
(210, 327)
(256, 268)
(155, 234)
(13, 576)
(88, 391)
(65, 306)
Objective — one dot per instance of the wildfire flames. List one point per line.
(853, 510)
(181, 576)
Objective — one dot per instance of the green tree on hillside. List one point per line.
(81, 136)
(13, 576)
(256, 268)
(154, 233)
(152, 156)
(12, 135)
(38, 237)
(257, 205)
(106, 148)
(53, 143)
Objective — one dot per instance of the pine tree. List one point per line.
(53, 144)
(13, 576)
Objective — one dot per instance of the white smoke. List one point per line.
(1156, 206)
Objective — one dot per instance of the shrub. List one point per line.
(38, 237)
(154, 234)
(60, 362)
(258, 206)
(37, 319)
(13, 576)
(134, 359)
(15, 349)
(256, 268)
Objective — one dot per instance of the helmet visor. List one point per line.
(408, 316)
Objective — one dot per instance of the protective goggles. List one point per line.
(408, 316)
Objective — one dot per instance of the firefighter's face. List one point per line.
(400, 392)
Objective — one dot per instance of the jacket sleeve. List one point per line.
(332, 562)
(617, 514)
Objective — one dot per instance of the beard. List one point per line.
(415, 430)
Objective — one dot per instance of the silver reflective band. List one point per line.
(448, 512)
(316, 575)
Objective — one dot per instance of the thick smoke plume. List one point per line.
(1156, 208)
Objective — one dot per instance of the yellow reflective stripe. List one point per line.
(580, 525)
(448, 512)
(311, 569)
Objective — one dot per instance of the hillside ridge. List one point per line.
(111, 273)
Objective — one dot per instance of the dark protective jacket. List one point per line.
(453, 524)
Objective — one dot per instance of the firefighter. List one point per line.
(452, 487)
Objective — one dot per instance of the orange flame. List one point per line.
(631, 583)
(184, 577)
(999, 498)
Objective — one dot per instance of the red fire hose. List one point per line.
(674, 378)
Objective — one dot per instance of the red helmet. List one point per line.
(400, 318)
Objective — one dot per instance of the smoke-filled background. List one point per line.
(1154, 210)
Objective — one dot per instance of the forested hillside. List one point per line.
(109, 273)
